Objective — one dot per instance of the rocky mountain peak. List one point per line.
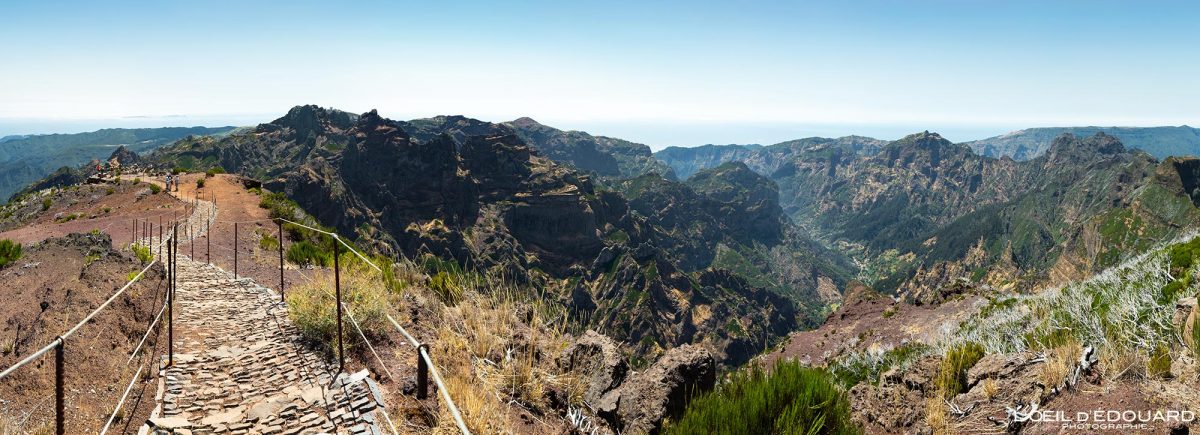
(378, 129)
(524, 122)
(1069, 146)
(925, 149)
(313, 119)
(123, 156)
(924, 139)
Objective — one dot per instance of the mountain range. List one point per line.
(25, 159)
(881, 246)
(1160, 142)
(652, 261)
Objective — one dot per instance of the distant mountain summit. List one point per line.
(1026, 144)
(605, 156)
(686, 161)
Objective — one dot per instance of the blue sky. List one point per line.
(662, 73)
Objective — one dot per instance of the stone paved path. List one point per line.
(240, 367)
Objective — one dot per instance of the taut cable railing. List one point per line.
(164, 250)
(425, 363)
(59, 342)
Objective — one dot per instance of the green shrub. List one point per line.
(10, 251)
(1159, 365)
(447, 286)
(178, 170)
(109, 191)
(143, 253)
(214, 171)
(200, 183)
(66, 218)
(952, 377)
(137, 180)
(306, 253)
(1183, 255)
(267, 242)
(278, 205)
(155, 189)
(790, 399)
(46, 203)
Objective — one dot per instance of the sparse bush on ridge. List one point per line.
(143, 253)
(305, 253)
(867, 366)
(952, 375)
(10, 252)
(789, 399)
(154, 188)
(1125, 312)
(268, 242)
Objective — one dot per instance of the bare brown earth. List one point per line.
(860, 323)
(90, 202)
(50, 289)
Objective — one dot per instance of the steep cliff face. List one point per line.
(911, 205)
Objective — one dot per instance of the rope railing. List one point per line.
(59, 344)
(167, 245)
(424, 360)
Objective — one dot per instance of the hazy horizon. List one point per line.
(656, 135)
(658, 73)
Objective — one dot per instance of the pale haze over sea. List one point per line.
(656, 134)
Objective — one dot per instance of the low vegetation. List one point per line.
(154, 188)
(1196, 335)
(789, 399)
(143, 253)
(267, 241)
(200, 183)
(213, 171)
(1125, 313)
(869, 365)
(312, 309)
(10, 252)
(305, 253)
(952, 375)
(494, 349)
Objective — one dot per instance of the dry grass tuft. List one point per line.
(991, 388)
(937, 415)
(1059, 363)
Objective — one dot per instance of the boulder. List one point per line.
(641, 403)
(1185, 318)
(598, 359)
